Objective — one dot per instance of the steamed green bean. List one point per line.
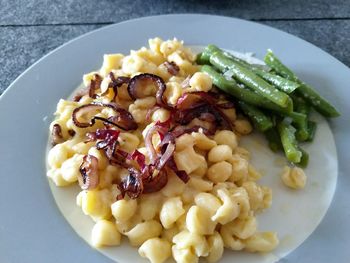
(306, 91)
(274, 140)
(260, 120)
(289, 143)
(250, 79)
(231, 87)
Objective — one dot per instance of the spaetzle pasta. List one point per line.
(213, 209)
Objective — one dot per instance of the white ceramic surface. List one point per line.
(281, 217)
(31, 227)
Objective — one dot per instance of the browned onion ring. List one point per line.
(172, 68)
(94, 85)
(71, 132)
(136, 83)
(145, 182)
(117, 156)
(131, 185)
(180, 173)
(56, 134)
(167, 154)
(186, 82)
(189, 101)
(192, 105)
(116, 83)
(151, 111)
(89, 178)
(123, 120)
(155, 183)
(149, 178)
(80, 93)
(148, 141)
(109, 144)
(180, 130)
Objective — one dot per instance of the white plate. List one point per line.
(32, 228)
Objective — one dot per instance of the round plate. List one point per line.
(31, 226)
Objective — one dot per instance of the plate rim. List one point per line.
(10, 87)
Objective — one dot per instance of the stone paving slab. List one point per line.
(22, 46)
(330, 35)
(33, 12)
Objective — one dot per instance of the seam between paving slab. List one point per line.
(111, 22)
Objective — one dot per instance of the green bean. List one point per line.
(312, 126)
(246, 95)
(300, 121)
(304, 158)
(320, 104)
(205, 55)
(302, 133)
(250, 79)
(306, 91)
(273, 139)
(239, 61)
(289, 143)
(261, 121)
(272, 61)
(282, 84)
(296, 117)
(231, 87)
(201, 59)
(302, 107)
(210, 49)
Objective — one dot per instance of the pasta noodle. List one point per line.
(214, 209)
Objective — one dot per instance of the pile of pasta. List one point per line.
(214, 210)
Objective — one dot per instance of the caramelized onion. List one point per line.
(151, 111)
(166, 139)
(172, 68)
(169, 151)
(122, 120)
(109, 143)
(89, 178)
(137, 183)
(139, 158)
(138, 82)
(131, 185)
(80, 93)
(149, 178)
(189, 101)
(115, 84)
(95, 84)
(148, 140)
(71, 132)
(56, 134)
(154, 183)
(168, 147)
(180, 130)
(193, 105)
(186, 82)
(180, 173)
(107, 136)
(117, 156)
(194, 112)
